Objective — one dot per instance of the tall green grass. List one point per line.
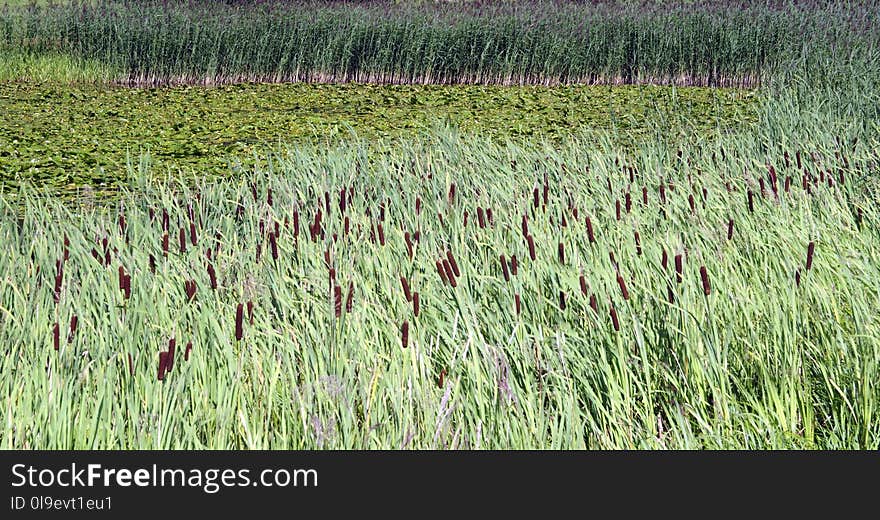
(686, 43)
(777, 355)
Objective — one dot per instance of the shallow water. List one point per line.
(62, 137)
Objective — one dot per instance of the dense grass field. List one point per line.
(536, 237)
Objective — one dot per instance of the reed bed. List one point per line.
(705, 43)
(719, 294)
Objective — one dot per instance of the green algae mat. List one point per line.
(61, 136)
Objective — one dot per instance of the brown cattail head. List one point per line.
(381, 232)
(172, 343)
(561, 253)
(614, 320)
(664, 260)
(645, 195)
(617, 208)
(56, 336)
(212, 275)
(405, 284)
(165, 244)
(74, 320)
(704, 276)
(504, 268)
(182, 240)
(451, 196)
(453, 263)
(192, 234)
(450, 274)
(594, 303)
(751, 200)
(337, 300)
(517, 303)
(481, 217)
(691, 203)
(562, 300)
(811, 248)
(273, 245)
(525, 226)
(590, 231)
(163, 365)
(239, 318)
(440, 379)
(622, 284)
(628, 202)
(415, 303)
(583, 282)
(797, 277)
(152, 264)
(349, 300)
(441, 272)
(250, 311)
(678, 268)
(189, 286)
(514, 265)
(404, 334)
(729, 229)
(531, 242)
(186, 352)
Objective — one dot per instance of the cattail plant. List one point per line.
(729, 229)
(163, 365)
(169, 365)
(638, 241)
(504, 268)
(188, 350)
(811, 248)
(337, 300)
(189, 287)
(349, 300)
(614, 321)
(517, 303)
(453, 263)
(239, 325)
(590, 235)
(56, 336)
(450, 274)
(531, 242)
(704, 277)
(561, 253)
(404, 334)
(415, 304)
(441, 272)
(622, 284)
(514, 265)
(212, 276)
(250, 312)
(74, 320)
(678, 268)
(406, 292)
